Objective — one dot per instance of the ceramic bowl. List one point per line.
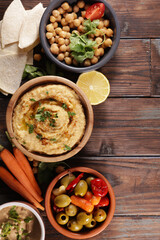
(31, 209)
(111, 15)
(42, 81)
(91, 232)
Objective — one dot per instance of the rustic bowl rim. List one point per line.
(100, 63)
(48, 80)
(32, 209)
(68, 233)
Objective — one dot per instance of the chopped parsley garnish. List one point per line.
(47, 92)
(24, 142)
(42, 115)
(39, 103)
(28, 219)
(53, 139)
(32, 116)
(56, 115)
(13, 213)
(31, 127)
(39, 136)
(64, 106)
(66, 147)
(6, 229)
(70, 114)
(52, 123)
(32, 99)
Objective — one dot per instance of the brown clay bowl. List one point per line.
(91, 232)
(49, 80)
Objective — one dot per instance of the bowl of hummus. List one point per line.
(49, 119)
(19, 220)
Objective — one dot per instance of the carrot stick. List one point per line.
(18, 187)
(24, 164)
(16, 170)
(82, 203)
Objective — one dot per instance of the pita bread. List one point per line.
(29, 32)
(30, 58)
(11, 23)
(11, 69)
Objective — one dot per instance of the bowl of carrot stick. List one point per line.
(80, 203)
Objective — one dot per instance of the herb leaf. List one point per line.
(32, 99)
(64, 106)
(6, 229)
(31, 127)
(39, 136)
(70, 114)
(13, 213)
(28, 219)
(66, 147)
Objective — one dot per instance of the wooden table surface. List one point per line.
(125, 143)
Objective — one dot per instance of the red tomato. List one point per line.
(99, 187)
(103, 202)
(95, 11)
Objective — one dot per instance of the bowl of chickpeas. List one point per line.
(79, 36)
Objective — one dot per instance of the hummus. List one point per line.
(18, 223)
(49, 119)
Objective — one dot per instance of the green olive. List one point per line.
(71, 210)
(84, 218)
(81, 188)
(74, 226)
(91, 224)
(88, 180)
(62, 218)
(65, 181)
(62, 200)
(100, 215)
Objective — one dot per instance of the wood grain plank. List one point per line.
(138, 19)
(125, 127)
(155, 66)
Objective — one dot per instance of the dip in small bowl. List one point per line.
(20, 221)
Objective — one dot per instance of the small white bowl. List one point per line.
(31, 209)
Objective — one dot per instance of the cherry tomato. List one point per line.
(103, 202)
(99, 187)
(95, 11)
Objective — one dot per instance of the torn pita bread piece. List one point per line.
(4, 93)
(11, 23)
(29, 32)
(30, 58)
(11, 69)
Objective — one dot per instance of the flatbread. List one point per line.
(30, 58)
(11, 23)
(11, 69)
(29, 32)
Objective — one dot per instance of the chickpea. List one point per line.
(54, 48)
(55, 13)
(37, 57)
(71, 25)
(54, 33)
(68, 48)
(81, 4)
(66, 28)
(68, 34)
(76, 22)
(98, 40)
(49, 35)
(50, 27)
(101, 51)
(109, 32)
(91, 35)
(75, 9)
(87, 62)
(69, 17)
(103, 31)
(52, 40)
(64, 22)
(60, 41)
(68, 60)
(65, 14)
(58, 30)
(62, 34)
(59, 18)
(80, 29)
(52, 19)
(60, 56)
(86, 6)
(56, 38)
(61, 10)
(108, 42)
(75, 62)
(98, 33)
(97, 52)
(83, 14)
(55, 25)
(66, 54)
(65, 6)
(63, 48)
(81, 19)
(94, 60)
(75, 15)
(106, 23)
(66, 42)
(100, 25)
(69, 9)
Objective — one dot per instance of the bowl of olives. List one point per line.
(80, 203)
